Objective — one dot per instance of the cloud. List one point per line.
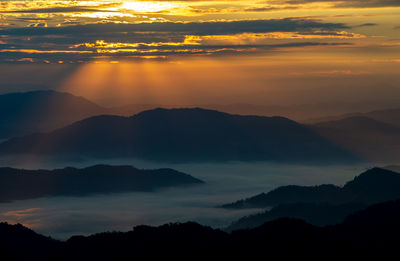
(367, 25)
(160, 52)
(269, 8)
(193, 28)
(73, 43)
(56, 8)
(346, 3)
(65, 9)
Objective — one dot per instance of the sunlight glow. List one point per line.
(147, 6)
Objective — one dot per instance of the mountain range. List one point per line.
(320, 205)
(388, 116)
(371, 139)
(366, 234)
(184, 135)
(19, 184)
(29, 112)
(371, 186)
(24, 113)
(318, 214)
(372, 136)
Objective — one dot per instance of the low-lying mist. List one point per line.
(61, 217)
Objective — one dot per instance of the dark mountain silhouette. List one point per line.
(370, 139)
(288, 195)
(29, 112)
(20, 243)
(184, 135)
(386, 212)
(307, 113)
(320, 205)
(370, 233)
(373, 185)
(24, 113)
(17, 184)
(319, 214)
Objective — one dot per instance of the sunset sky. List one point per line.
(317, 64)
(196, 52)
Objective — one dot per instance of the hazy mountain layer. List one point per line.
(184, 135)
(24, 113)
(370, 139)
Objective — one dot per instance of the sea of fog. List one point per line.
(62, 217)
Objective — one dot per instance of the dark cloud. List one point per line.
(269, 8)
(69, 9)
(367, 25)
(193, 28)
(29, 19)
(68, 43)
(65, 9)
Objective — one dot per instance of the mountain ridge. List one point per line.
(27, 112)
(320, 205)
(190, 134)
(20, 184)
(375, 184)
(374, 140)
(365, 234)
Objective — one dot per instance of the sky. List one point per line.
(277, 52)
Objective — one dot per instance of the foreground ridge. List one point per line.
(365, 234)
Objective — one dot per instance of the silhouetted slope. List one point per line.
(375, 227)
(289, 194)
(366, 137)
(386, 212)
(29, 112)
(374, 185)
(184, 135)
(20, 243)
(189, 241)
(369, 234)
(25, 184)
(320, 214)
(320, 205)
(282, 238)
(371, 186)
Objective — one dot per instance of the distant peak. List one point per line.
(180, 111)
(38, 92)
(106, 166)
(378, 171)
(198, 111)
(373, 177)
